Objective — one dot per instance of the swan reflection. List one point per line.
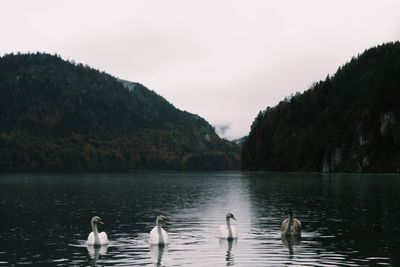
(290, 241)
(95, 252)
(157, 252)
(229, 243)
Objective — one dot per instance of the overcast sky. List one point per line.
(223, 60)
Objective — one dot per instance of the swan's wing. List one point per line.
(296, 226)
(153, 239)
(223, 231)
(284, 225)
(234, 232)
(298, 222)
(103, 238)
(165, 236)
(90, 239)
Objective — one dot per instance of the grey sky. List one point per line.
(224, 60)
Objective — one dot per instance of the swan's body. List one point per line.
(291, 226)
(95, 238)
(158, 236)
(228, 231)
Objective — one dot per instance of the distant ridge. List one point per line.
(59, 116)
(347, 123)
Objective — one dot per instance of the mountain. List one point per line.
(60, 116)
(347, 123)
(239, 142)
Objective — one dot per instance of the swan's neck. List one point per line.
(160, 235)
(228, 225)
(96, 234)
(290, 222)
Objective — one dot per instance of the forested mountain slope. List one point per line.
(347, 123)
(59, 116)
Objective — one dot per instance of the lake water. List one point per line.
(348, 220)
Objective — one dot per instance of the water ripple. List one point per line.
(46, 219)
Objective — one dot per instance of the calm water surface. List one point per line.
(348, 220)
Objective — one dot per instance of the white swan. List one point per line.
(159, 236)
(95, 238)
(228, 231)
(291, 226)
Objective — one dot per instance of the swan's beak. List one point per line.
(101, 222)
(233, 217)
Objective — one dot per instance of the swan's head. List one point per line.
(96, 220)
(162, 219)
(230, 216)
(289, 211)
